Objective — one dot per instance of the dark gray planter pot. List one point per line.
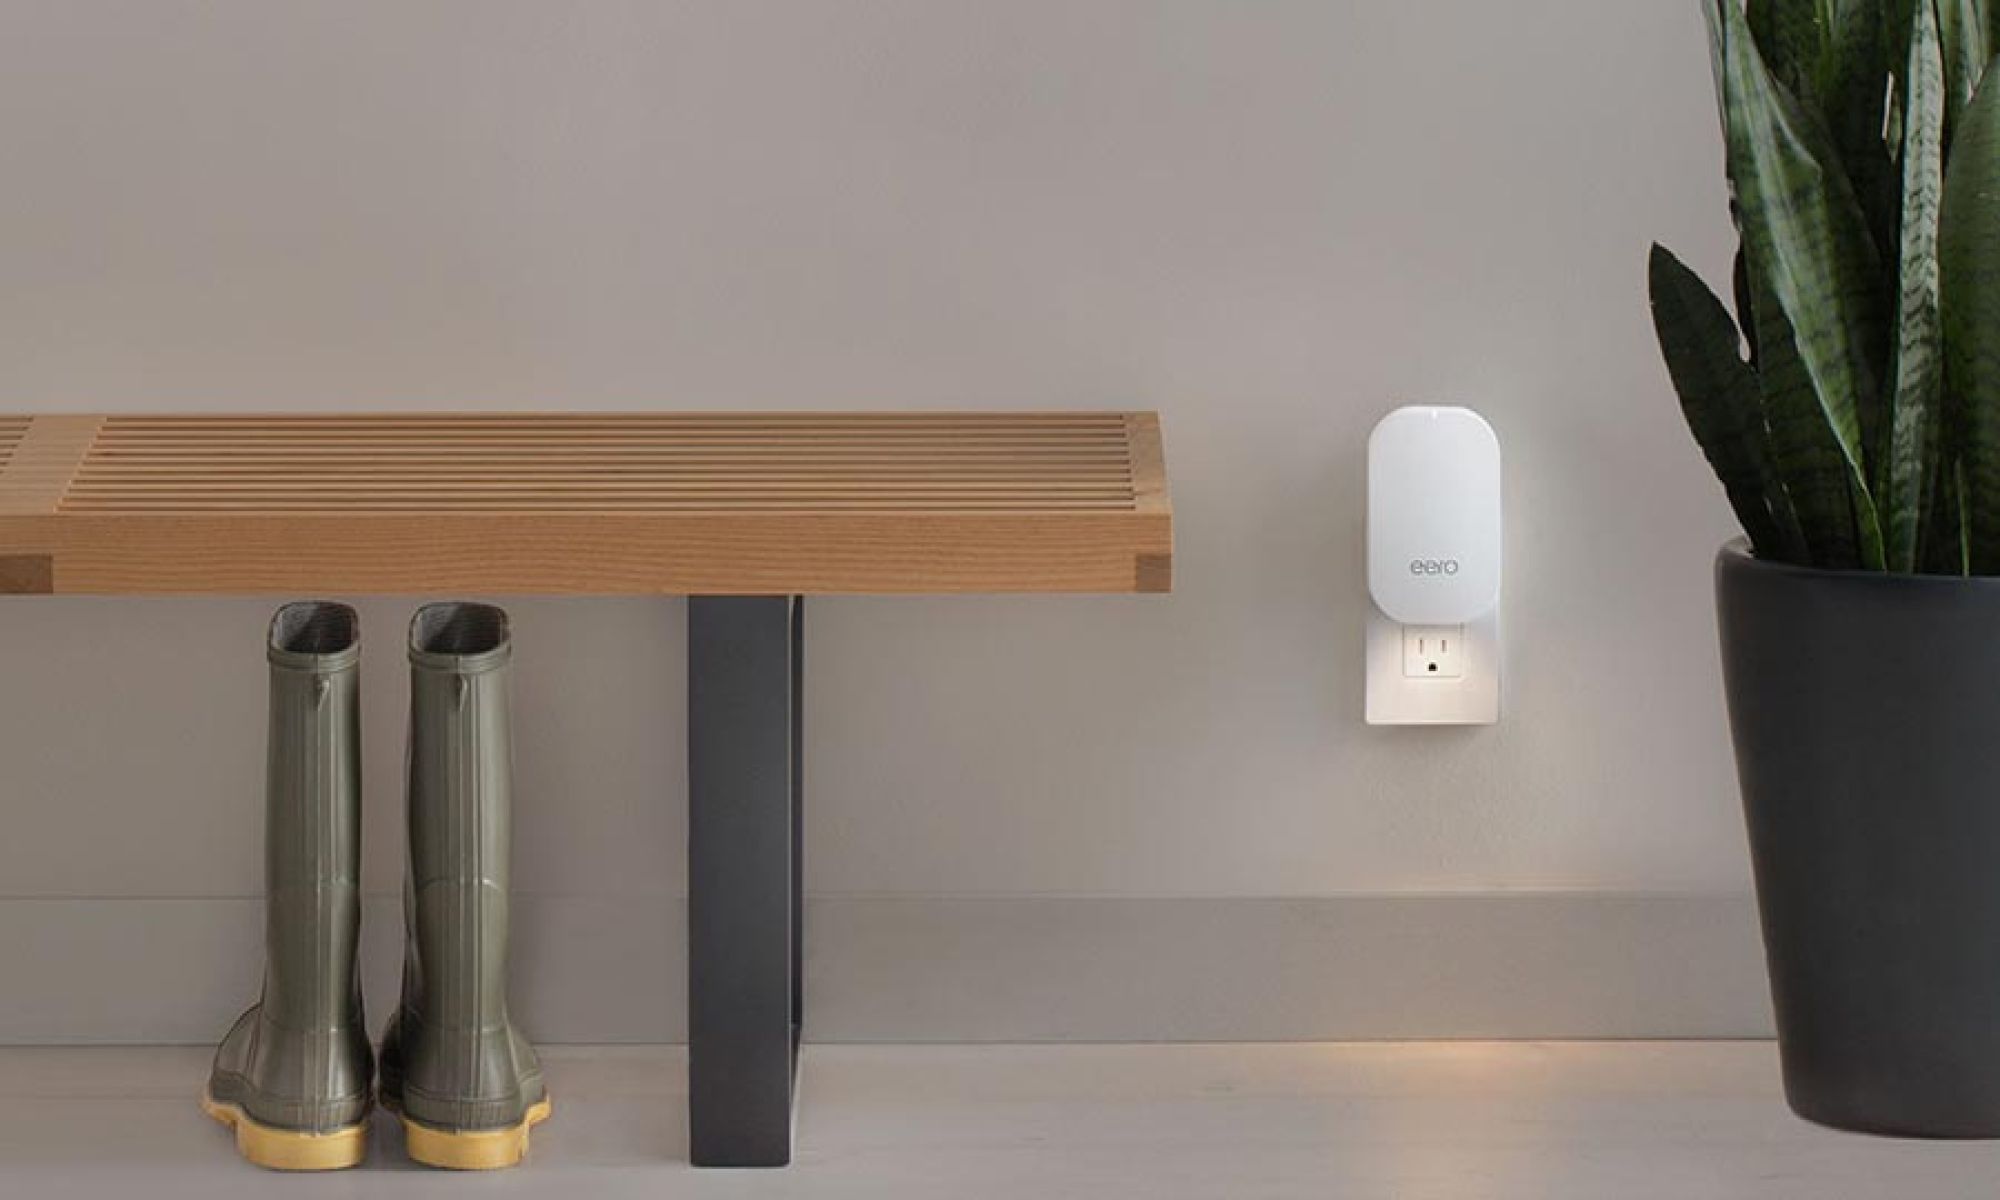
(1866, 714)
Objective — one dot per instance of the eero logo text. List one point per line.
(1433, 566)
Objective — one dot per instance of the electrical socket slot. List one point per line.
(1434, 651)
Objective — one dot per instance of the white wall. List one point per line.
(1270, 221)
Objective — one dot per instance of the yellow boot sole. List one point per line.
(484, 1150)
(289, 1150)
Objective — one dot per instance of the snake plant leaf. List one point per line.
(1825, 492)
(1832, 57)
(1819, 299)
(1897, 19)
(1965, 27)
(1791, 36)
(1945, 549)
(1969, 243)
(1960, 503)
(1746, 319)
(1719, 397)
(1854, 99)
(1912, 459)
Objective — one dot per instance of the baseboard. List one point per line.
(929, 969)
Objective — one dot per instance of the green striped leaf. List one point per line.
(1945, 550)
(1966, 30)
(1969, 241)
(1724, 410)
(1854, 100)
(1746, 323)
(1832, 57)
(1910, 466)
(1791, 36)
(1819, 298)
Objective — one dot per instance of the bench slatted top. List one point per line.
(627, 503)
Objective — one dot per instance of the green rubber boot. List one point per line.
(465, 1082)
(294, 1074)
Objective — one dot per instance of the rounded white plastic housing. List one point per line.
(1434, 516)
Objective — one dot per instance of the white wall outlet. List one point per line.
(1434, 557)
(1433, 651)
(1402, 690)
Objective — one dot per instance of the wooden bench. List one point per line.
(747, 514)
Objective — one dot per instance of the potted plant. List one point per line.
(1850, 406)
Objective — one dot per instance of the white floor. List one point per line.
(1683, 1121)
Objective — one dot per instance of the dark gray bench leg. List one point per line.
(745, 996)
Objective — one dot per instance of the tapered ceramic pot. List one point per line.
(1866, 715)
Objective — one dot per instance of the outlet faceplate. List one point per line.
(1402, 688)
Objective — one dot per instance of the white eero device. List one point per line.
(1434, 552)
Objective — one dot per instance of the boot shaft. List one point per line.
(460, 818)
(312, 832)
